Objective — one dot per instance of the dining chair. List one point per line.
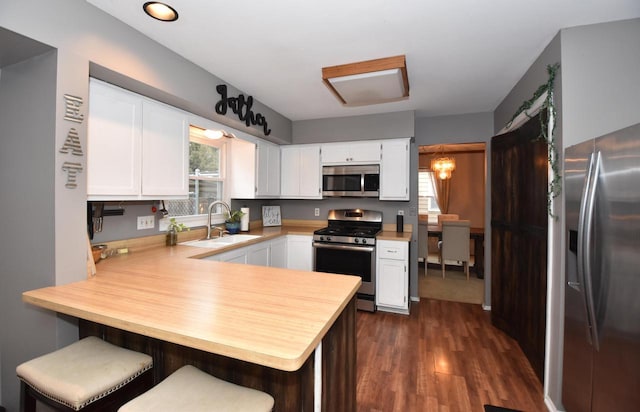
(442, 217)
(423, 244)
(455, 243)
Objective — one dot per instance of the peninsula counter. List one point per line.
(251, 325)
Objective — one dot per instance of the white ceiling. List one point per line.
(463, 56)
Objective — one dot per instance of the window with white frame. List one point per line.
(206, 178)
(427, 204)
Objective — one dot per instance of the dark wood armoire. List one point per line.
(519, 238)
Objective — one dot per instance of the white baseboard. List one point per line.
(415, 298)
(486, 307)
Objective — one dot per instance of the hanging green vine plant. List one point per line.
(555, 185)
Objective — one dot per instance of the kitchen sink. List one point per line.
(220, 241)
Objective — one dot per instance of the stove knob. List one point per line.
(356, 240)
(328, 238)
(364, 241)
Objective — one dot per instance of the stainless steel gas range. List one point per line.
(348, 246)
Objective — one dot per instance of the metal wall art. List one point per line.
(241, 106)
(72, 145)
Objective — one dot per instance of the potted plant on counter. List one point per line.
(172, 231)
(232, 221)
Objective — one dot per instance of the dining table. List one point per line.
(477, 235)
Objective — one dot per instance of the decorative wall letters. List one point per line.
(242, 107)
(72, 143)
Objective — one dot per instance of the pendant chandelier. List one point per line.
(443, 165)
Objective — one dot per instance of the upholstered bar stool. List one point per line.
(190, 389)
(88, 375)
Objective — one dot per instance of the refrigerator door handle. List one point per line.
(585, 230)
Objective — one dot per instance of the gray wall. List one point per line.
(464, 128)
(601, 84)
(344, 129)
(27, 261)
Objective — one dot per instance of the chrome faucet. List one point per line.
(211, 206)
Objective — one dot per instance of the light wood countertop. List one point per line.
(393, 235)
(268, 316)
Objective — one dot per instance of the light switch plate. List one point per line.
(146, 222)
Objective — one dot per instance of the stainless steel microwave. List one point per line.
(351, 181)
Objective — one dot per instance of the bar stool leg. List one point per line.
(27, 402)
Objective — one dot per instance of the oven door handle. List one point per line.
(369, 249)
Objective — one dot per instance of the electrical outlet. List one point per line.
(316, 212)
(401, 212)
(146, 222)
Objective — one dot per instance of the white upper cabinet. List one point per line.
(137, 148)
(268, 170)
(254, 169)
(351, 152)
(300, 172)
(242, 169)
(165, 151)
(394, 170)
(114, 143)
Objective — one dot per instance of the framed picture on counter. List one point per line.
(271, 216)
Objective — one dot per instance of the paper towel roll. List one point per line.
(244, 220)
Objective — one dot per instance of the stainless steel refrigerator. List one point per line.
(601, 367)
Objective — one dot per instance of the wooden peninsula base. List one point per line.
(292, 391)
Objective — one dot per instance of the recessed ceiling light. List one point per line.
(160, 11)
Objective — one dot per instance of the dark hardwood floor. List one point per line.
(444, 357)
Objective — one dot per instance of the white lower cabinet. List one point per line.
(392, 276)
(259, 254)
(278, 253)
(300, 252)
(268, 253)
(234, 256)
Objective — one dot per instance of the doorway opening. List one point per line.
(460, 196)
